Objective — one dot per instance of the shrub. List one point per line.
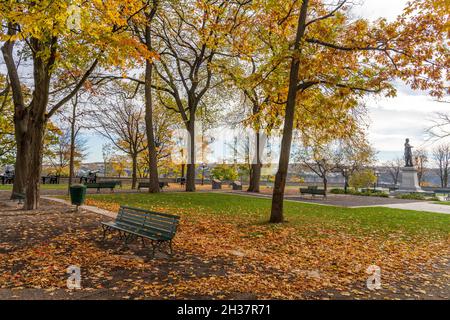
(224, 172)
(367, 193)
(362, 179)
(337, 191)
(412, 196)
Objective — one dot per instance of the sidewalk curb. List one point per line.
(92, 209)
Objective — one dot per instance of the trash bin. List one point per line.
(216, 184)
(237, 185)
(77, 194)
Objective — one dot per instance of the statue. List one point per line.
(408, 154)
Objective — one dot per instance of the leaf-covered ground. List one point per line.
(224, 249)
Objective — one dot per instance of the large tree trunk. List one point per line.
(20, 116)
(255, 178)
(36, 132)
(281, 176)
(325, 184)
(37, 122)
(255, 170)
(152, 152)
(190, 174)
(22, 148)
(134, 171)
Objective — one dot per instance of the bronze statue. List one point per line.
(408, 154)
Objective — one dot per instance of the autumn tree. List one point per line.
(247, 77)
(420, 161)
(59, 153)
(188, 36)
(121, 120)
(142, 29)
(394, 168)
(353, 155)
(119, 164)
(164, 122)
(320, 159)
(7, 143)
(441, 156)
(334, 56)
(65, 47)
(363, 179)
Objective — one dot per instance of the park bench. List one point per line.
(101, 185)
(132, 223)
(181, 181)
(117, 182)
(147, 185)
(51, 179)
(7, 179)
(313, 191)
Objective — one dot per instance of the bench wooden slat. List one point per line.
(145, 223)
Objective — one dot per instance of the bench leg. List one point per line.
(105, 229)
(153, 248)
(170, 247)
(143, 241)
(156, 244)
(128, 237)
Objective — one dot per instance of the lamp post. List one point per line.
(204, 165)
(377, 174)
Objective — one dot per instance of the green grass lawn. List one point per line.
(376, 220)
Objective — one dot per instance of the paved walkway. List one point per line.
(337, 200)
(350, 201)
(420, 206)
(84, 207)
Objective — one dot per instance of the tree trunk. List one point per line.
(72, 144)
(190, 174)
(34, 166)
(37, 120)
(22, 148)
(152, 152)
(20, 116)
(281, 176)
(134, 171)
(255, 178)
(255, 170)
(183, 167)
(445, 182)
(325, 184)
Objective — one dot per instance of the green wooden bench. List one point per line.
(117, 182)
(147, 185)
(313, 191)
(159, 228)
(101, 185)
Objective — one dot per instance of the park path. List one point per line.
(92, 209)
(420, 206)
(350, 201)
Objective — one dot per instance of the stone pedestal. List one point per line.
(410, 181)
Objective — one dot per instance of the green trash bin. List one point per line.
(77, 194)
